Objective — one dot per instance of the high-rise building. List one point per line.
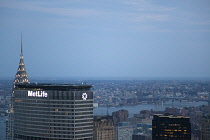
(21, 77)
(53, 111)
(124, 131)
(49, 111)
(104, 128)
(9, 125)
(209, 97)
(171, 127)
(205, 127)
(120, 116)
(141, 136)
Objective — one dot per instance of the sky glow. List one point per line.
(106, 38)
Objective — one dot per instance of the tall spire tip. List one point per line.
(21, 45)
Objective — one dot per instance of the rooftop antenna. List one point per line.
(156, 105)
(107, 111)
(172, 103)
(21, 52)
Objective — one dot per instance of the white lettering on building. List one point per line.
(37, 93)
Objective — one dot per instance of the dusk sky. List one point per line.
(106, 38)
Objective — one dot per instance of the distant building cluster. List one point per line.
(132, 92)
(149, 125)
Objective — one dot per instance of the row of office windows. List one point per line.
(40, 110)
(22, 116)
(54, 137)
(47, 101)
(54, 104)
(58, 130)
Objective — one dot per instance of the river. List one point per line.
(137, 108)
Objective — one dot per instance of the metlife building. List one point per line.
(53, 112)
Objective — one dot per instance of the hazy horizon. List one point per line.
(110, 78)
(121, 38)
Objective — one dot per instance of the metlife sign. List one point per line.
(37, 94)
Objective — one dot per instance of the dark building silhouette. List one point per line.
(205, 127)
(208, 89)
(171, 127)
(53, 111)
(141, 136)
(120, 116)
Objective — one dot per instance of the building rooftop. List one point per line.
(169, 116)
(45, 86)
(206, 117)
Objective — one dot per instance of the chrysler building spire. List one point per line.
(21, 76)
(21, 52)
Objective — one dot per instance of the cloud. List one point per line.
(37, 7)
(145, 11)
(177, 16)
(207, 22)
(142, 5)
(151, 17)
(163, 9)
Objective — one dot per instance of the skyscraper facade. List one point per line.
(171, 127)
(124, 131)
(21, 77)
(49, 111)
(9, 125)
(120, 116)
(209, 98)
(104, 128)
(53, 111)
(205, 127)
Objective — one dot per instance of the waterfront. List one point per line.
(137, 108)
(132, 110)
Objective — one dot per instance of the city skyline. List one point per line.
(106, 39)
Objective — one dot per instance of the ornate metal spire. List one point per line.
(21, 52)
(21, 76)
